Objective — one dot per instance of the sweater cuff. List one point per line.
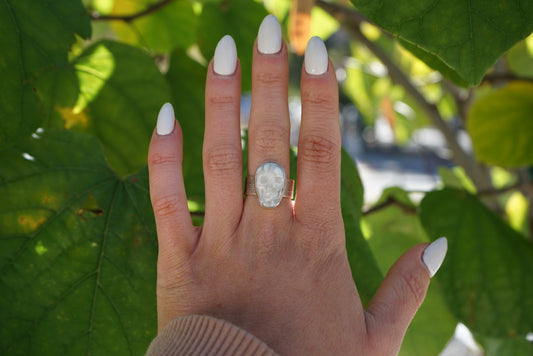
(205, 335)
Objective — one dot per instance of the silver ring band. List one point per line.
(269, 184)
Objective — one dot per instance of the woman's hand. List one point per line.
(280, 273)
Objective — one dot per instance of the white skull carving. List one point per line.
(270, 182)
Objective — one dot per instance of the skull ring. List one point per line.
(270, 184)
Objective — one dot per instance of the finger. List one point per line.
(402, 292)
(175, 231)
(319, 144)
(269, 128)
(222, 152)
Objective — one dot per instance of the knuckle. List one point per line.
(158, 159)
(411, 287)
(166, 206)
(320, 151)
(223, 103)
(223, 161)
(270, 140)
(269, 79)
(321, 102)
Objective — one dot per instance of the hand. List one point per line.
(280, 273)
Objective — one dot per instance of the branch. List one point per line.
(352, 19)
(407, 208)
(128, 18)
(504, 77)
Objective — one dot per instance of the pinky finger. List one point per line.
(175, 230)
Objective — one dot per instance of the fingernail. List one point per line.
(165, 120)
(434, 255)
(269, 35)
(225, 61)
(316, 56)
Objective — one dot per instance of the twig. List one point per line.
(504, 77)
(409, 209)
(128, 18)
(352, 19)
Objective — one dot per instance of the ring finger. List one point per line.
(269, 128)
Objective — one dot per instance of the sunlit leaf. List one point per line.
(501, 126)
(466, 36)
(171, 26)
(35, 37)
(78, 251)
(120, 93)
(487, 276)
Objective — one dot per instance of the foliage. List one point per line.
(81, 87)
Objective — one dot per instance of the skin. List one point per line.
(281, 274)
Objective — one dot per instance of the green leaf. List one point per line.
(238, 18)
(391, 232)
(365, 270)
(487, 276)
(120, 93)
(172, 26)
(78, 251)
(466, 36)
(36, 36)
(433, 61)
(507, 347)
(187, 82)
(501, 126)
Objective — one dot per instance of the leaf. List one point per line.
(238, 18)
(507, 347)
(391, 233)
(187, 82)
(78, 251)
(487, 276)
(501, 126)
(120, 93)
(36, 36)
(172, 26)
(365, 270)
(466, 36)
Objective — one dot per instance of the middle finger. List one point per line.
(269, 128)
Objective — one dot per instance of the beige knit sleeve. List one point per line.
(204, 335)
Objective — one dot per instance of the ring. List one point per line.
(270, 184)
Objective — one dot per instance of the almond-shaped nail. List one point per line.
(316, 56)
(269, 35)
(165, 120)
(225, 61)
(434, 254)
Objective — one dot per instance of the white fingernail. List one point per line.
(316, 56)
(269, 35)
(225, 61)
(434, 255)
(165, 120)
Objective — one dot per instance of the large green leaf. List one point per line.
(78, 251)
(466, 36)
(501, 126)
(35, 36)
(391, 232)
(171, 26)
(238, 18)
(487, 276)
(365, 270)
(120, 93)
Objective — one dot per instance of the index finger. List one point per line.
(319, 144)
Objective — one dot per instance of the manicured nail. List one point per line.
(165, 120)
(269, 36)
(316, 56)
(434, 255)
(225, 61)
